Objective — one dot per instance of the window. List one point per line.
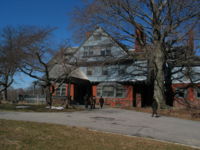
(198, 92)
(120, 92)
(108, 52)
(85, 53)
(181, 93)
(113, 90)
(89, 71)
(97, 37)
(104, 71)
(103, 53)
(90, 52)
(99, 91)
(58, 91)
(108, 91)
(121, 71)
(61, 91)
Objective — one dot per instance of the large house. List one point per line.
(105, 69)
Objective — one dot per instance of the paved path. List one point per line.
(121, 121)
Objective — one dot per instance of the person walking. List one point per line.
(94, 101)
(154, 108)
(101, 102)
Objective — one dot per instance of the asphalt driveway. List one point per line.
(120, 121)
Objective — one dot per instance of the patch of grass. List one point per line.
(16, 135)
(179, 113)
(34, 108)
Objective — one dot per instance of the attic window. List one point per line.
(97, 37)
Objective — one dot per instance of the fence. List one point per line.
(34, 99)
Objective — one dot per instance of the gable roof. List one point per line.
(107, 35)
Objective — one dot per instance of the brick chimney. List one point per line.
(140, 38)
(87, 34)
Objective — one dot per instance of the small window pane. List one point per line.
(85, 53)
(104, 71)
(120, 92)
(198, 92)
(181, 93)
(102, 53)
(58, 92)
(121, 72)
(108, 52)
(90, 53)
(98, 91)
(63, 92)
(89, 71)
(108, 91)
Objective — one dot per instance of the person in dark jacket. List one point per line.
(101, 102)
(154, 108)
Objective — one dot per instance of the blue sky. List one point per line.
(53, 13)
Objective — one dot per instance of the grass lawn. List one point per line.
(179, 113)
(34, 108)
(16, 135)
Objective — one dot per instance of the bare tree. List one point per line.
(9, 57)
(165, 24)
(39, 58)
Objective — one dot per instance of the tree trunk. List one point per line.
(5, 94)
(168, 86)
(48, 96)
(68, 96)
(159, 92)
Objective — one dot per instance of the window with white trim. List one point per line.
(198, 92)
(61, 91)
(113, 90)
(181, 92)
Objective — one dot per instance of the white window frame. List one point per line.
(115, 87)
(184, 90)
(197, 90)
